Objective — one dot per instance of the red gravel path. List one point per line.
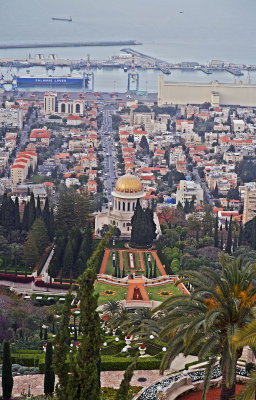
(213, 394)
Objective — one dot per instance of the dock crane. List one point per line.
(133, 78)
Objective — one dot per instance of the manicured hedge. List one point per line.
(18, 278)
(109, 363)
(28, 360)
(54, 285)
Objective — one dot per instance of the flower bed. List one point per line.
(16, 278)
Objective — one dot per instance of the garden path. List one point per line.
(136, 283)
(104, 262)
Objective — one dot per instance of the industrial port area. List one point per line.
(124, 60)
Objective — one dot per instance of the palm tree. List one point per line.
(246, 336)
(112, 307)
(142, 323)
(205, 322)
(119, 318)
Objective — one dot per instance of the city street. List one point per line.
(109, 151)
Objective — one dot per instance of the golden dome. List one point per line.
(129, 184)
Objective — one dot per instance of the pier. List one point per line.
(67, 44)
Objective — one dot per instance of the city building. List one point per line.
(249, 204)
(127, 191)
(216, 93)
(50, 101)
(188, 191)
(12, 117)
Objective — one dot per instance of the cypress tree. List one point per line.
(46, 214)
(3, 210)
(17, 213)
(241, 234)
(226, 224)
(85, 385)
(45, 334)
(41, 333)
(7, 379)
(115, 266)
(154, 274)
(52, 226)
(229, 239)
(235, 243)
(31, 210)
(119, 271)
(143, 227)
(253, 234)
(216, 234)
(123, 391)
(221, 241)
(186, 207)
(49, 377)
(61, 350)
(38, 207)
(123, 274)
(25, 218)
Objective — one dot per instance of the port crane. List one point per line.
(133, 78)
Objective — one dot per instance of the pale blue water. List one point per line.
(219, 29)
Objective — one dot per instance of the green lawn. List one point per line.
(153, 291)
(109, 267)
(121, 292)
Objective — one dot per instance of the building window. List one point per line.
(119, 205)
(128, 207)
(63, 108)
(133, 206)
(123, 206)
(78, 108)
(124, 225)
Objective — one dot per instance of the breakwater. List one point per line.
(67, 44)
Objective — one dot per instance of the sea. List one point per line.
(172, 30)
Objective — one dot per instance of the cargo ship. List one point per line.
(62, 19)
(28, 80)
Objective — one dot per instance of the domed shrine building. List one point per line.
(127, 191)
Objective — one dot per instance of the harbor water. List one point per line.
(172, 30)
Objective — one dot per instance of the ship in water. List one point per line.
(62, 19)
(44, 80)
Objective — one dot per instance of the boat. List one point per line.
(40, 80)
(125, 69)
(62, 19)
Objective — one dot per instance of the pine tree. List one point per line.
(229, 239)
(216, 233)
(61, 350)
(123, 391)
(39, 233)
(31, 210)
(17, 214)
(72, 211)
(30, 253)
(38, 208)
(68, 260)
(49, 377)
(7, 379)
